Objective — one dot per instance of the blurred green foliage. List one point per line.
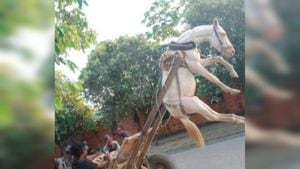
(26, 131)
(17, 14)
(121, 77)
(72, 114)
(26, 14)
(71, 30)
(164, 15)
(26, 125)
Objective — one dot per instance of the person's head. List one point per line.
(76, 149)
(108, 139)
(119, 130)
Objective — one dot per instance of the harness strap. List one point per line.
(181, 46)
(221, 43)
(178, 86)
(218, 37)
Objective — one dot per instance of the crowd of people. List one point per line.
(75, 155)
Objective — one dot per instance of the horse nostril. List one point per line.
(233, 51)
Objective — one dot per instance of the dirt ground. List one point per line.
(212, 133)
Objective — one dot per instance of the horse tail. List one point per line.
(193, 131)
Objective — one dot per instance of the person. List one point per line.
(111, 145)
(85, 149)
(121, 132)
(78, 161)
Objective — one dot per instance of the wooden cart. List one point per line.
(132, 154)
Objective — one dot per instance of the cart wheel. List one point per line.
(160, 161)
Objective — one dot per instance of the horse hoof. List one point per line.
(241, 121)
(234, 75)
(234, 91)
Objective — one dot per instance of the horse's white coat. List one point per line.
(190, 103)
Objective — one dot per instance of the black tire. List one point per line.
(161, 161)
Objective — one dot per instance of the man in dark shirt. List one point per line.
(78, 158)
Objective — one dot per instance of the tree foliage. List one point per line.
(230, 14)
(71, 30)
(121, 77)
(72, 115)
(162, 17)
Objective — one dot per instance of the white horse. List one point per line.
(180, 99)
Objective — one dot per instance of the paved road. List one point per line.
(228, 154)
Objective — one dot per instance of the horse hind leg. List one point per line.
(233, 118)
(195, 105)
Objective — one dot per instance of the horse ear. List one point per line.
(215, 22)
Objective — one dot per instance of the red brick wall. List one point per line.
(233, 103)
(130, 125)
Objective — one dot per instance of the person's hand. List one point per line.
(106, 157)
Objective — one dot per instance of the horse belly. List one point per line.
(187, 85)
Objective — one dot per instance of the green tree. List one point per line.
(162, 17)
(72, 115)
(71, 30)
(230, 14)
(121, 77)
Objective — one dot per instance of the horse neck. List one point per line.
(198, 34)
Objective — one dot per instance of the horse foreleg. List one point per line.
(197, 67)
(220, 60)
(267, 89)
(257, 45)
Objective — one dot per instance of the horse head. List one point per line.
(220, 41)
(262, 18)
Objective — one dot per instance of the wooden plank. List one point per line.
(151, 136)
(126, 148)
(132, 160)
